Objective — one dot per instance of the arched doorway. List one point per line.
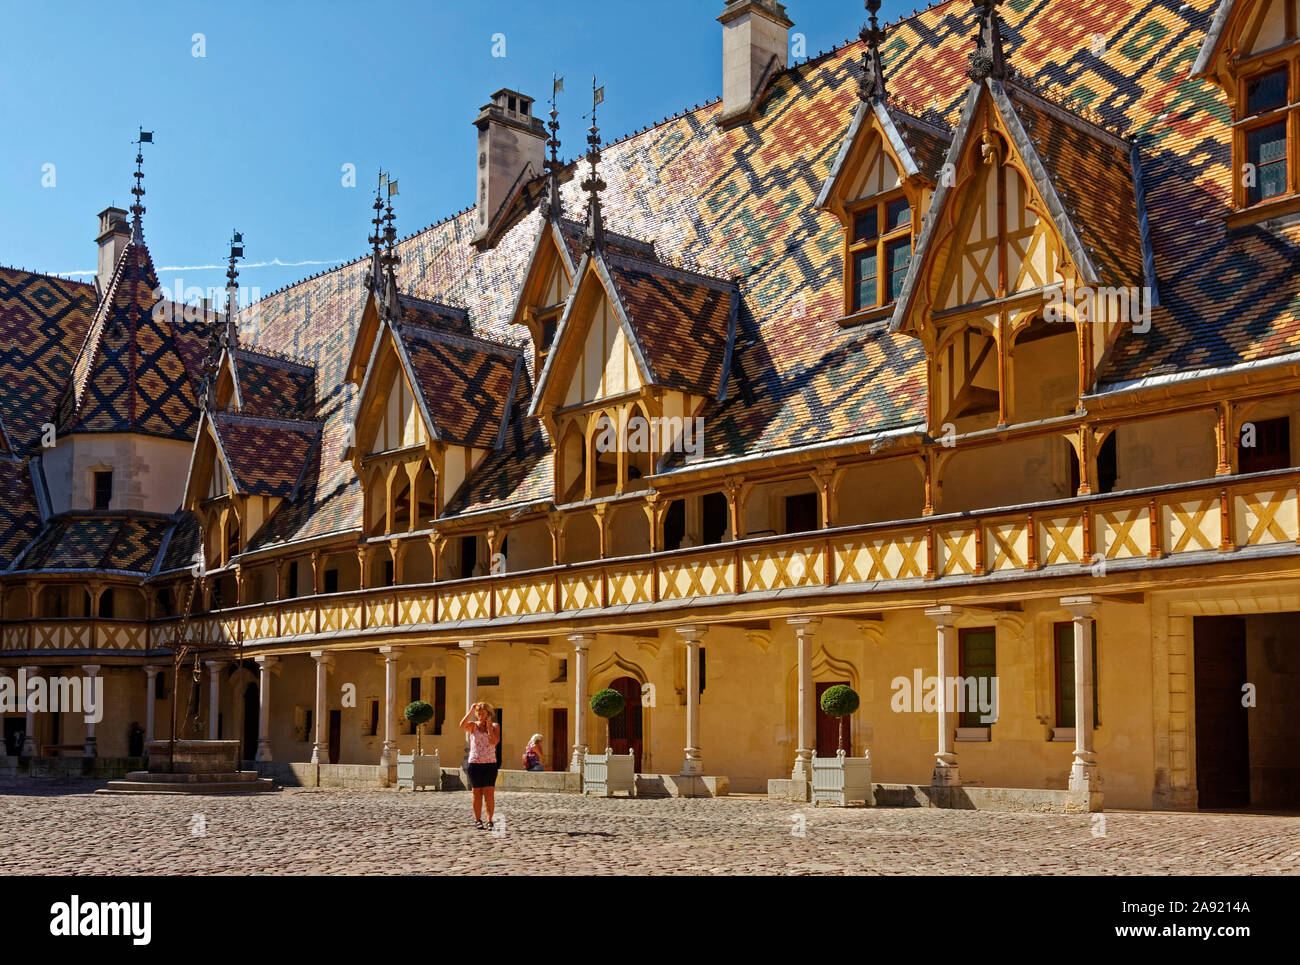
(251, 706)
(625, 730)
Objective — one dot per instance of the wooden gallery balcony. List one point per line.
(1211, 522)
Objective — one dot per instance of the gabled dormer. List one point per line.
(879, 188)
(1032, 260)
(545, 289)
(243, 468)
(433, 399)
(641, 348)
(1252, 52)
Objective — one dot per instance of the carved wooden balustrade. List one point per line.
(1217, 518)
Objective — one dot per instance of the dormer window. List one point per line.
(879, 249)
(1265, 136)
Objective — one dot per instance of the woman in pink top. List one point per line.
(484, 734)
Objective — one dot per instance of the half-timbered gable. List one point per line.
(1252, 52)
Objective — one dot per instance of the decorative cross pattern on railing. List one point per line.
(1216, 518)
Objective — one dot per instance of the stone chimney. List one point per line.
(755, 47)
(114, 233)
(510, 140)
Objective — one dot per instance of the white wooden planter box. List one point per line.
(604, 775)
(842, 780)
(419, 770)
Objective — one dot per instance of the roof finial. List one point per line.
(871, 85)
(137, 209)
(988, 60)
(391, 259)
(554, 206)
(232, 290)
(594, 236)
(375, 276)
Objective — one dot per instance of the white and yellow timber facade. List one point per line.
(821, 387)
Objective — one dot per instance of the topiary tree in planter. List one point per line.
(419, 713)
(607, 704)
(840, 701)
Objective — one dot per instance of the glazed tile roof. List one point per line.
(465, 383)
(926, 140)
(119, 542)
(182, 549)
(684, 322)
(739, 203)
(1093, 177)
(273, 387)
(20, 520)
(43, 321)
(130, 374)
(519, 472)
(265, 457)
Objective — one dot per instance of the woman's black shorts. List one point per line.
(482, 775)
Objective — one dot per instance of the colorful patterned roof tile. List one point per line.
(738, 202)
(122, 543)
(43, 322)
(1091, 172)
(130, 374)
(684, 322)
(20, 520)
(273, 387)
(265, 457)
(465, 383)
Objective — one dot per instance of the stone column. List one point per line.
(581, 642)
(214, 698)
(151, 685)
(805, 628)
(320, 748)
(92, 749)
(945, 759)
(693, 764)
(264, 665)
(1084, 775)
(29, 728)
(472, 650)
(388, 756)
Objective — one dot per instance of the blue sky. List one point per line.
(253, 135)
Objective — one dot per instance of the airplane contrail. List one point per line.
(273, 263)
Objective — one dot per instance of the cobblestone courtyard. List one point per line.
(63, 829)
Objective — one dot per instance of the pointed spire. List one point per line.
(137, 209)
(375, 276)
(223, 333)
(390, 257)
(554, 206)
(594, 236)
(871, 85)
(232, 290)
(989, 59)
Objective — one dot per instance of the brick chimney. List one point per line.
(755, 47)
(114, 233)
(510, 140)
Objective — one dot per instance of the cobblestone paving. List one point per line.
(65, 830)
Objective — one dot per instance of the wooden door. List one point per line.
(828, 727)
(336, 735)
(559, 740)
(1222, 738)
(625, 729)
